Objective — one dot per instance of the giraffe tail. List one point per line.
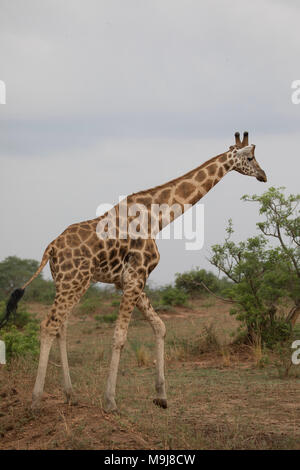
(17, 294)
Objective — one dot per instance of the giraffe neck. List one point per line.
(185, 191)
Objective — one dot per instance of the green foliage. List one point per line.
(94, 292)
(40, 291)
(21, 319)
(163, 298)
(190, 282)
(162, 308)
(261, 281)
(264, 276)
(21, 343)
(14, 272)
(173, 296)
(154, 294)
(282, 224)
(89, 306)
(21, 336)
(282, 219)
(92, 300)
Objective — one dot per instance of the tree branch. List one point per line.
(212, 293)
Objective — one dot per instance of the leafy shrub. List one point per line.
(21, 336)
(173, 296)
(14, 272)
(263, 278)
(162, 308)
(88, 306)
(91, 301)
(21, 343)
(40, 291)
(20, 319)
(190, 282)
(93, 292)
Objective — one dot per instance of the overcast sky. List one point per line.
(106, 98)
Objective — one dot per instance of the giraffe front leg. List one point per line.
(119, 339)
(132, 287)
(118, 342)
(160, 385)
(159, 329)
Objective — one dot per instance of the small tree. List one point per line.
(260, 282)
(282, 223)
(264, 275)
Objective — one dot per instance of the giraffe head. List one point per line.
(244, 159)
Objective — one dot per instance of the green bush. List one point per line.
(154, 295)
(162, 308)
(21, 343)
(190, 282)
(88, 306)
(14, 272)
(93, 292)
(20, 319)
(173, 296)
(265, 276)
(20, 334)
(40, 291)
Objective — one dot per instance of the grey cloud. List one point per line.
(110, 97)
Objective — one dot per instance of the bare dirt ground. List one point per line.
(219, 396)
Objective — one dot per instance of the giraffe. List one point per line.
(79, 256)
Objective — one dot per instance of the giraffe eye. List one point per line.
(250, 158)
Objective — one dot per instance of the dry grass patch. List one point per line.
(218, 398)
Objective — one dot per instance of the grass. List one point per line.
(107, 318)
(219, 396)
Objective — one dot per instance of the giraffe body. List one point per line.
(79, 257)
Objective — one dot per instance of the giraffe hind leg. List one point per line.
(53, 326)
(67, 384)
(159, 329)
(45, 347)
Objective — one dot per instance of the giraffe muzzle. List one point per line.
(262, 176)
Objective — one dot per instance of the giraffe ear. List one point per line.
(245, 139)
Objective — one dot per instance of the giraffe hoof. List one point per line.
(35, 406)
(113, 411)
(161, 402)
(110, 406)
(70, 399)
